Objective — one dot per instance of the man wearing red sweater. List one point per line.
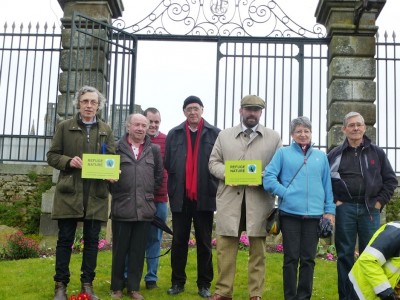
(160, 200)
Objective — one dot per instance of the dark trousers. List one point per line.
(300, 240)
(129, 245)
(66, 236)
(181, 225)
(352, 220)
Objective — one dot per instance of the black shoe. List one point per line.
(204, 292)
(175, 290)
(151, 285)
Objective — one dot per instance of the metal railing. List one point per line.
(29, 60)
(387, 97)
(29, 76)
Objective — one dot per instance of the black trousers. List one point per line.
(66, 236)
(181, 225)
(128, 246)
(300, 240)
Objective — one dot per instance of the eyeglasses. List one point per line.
(354, 125)
(300, 132)
(193, 108)
(86, 102)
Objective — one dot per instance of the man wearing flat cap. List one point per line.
(242, 207)
(191, 191)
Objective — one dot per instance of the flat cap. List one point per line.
(252, 101)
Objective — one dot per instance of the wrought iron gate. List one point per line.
(290, 74)
(287, 66)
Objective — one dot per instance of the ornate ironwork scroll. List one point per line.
(256, 18)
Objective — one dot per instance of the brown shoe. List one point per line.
(255, 298)
(87, 288)
(219, 297)
(60, 291)
(116, 294)
(135, 295)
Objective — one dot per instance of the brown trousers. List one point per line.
(227, 249)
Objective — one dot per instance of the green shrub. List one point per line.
(32, 176)
(20, 246)
(25, 214)
(393, 208)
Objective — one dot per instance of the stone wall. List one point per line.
(16, 183)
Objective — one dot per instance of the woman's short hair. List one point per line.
(88, 89)
(304, 121)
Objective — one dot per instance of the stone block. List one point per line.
(352, 68)
(65, 106)
(339, 109)
(350, 45)
(74, 80)
(47, 225)
(47, 200)
(89, 38)
(352, 90)
(83, 59)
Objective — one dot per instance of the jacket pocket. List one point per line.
(149, 208)
(123, 207)
(100, 188)
(66, 184)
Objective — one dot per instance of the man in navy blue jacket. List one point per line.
(191, 190)
(363, 182)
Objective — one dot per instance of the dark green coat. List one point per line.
(70, 139)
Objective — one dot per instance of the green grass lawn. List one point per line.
(32, 279)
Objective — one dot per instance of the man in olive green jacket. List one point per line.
(78, 199)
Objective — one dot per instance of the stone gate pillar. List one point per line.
(351, 62)
(104, 11)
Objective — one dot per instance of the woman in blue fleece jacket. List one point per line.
(300, 176)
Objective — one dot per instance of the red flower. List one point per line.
(84, 296)
(81, 296)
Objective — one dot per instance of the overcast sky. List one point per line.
(190, 67)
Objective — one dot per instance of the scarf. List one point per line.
(191, 161)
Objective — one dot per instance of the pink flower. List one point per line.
(192, 243)
(102, 244)
(214, 242)
(279, 248)
(329, 256)
(244, 240)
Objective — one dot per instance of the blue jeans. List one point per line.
(66, 235)
(154, 243)
(352, 220)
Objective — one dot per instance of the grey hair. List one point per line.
(130, 117)
(128, 121)
(88, 89)
(300, 121)
(350, 115)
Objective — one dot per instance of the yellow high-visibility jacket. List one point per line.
(378, 267)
